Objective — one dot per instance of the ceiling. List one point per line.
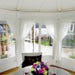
(38, 5)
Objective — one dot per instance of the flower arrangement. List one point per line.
(39, 68)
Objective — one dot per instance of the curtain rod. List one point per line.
(16, 10)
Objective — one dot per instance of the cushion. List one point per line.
(29, 60)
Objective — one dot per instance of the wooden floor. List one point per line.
(72, 73)
(9, 71)
(15, 69)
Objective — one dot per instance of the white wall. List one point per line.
(8, 63)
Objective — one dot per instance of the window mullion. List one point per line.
(39, 38)
(33, 38)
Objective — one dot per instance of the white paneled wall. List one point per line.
(8, 63)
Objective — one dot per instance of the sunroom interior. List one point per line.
(30, 26)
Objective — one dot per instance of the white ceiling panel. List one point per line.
(31, 5)
(68, 4)
(49, 5)
(38, 5)
(8, 4)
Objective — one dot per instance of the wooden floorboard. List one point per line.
(15, 69)
(9, 71)
(72, 73)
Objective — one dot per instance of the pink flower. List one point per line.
(42, 62)
(41, 71)
(34, 65)
(46, 67)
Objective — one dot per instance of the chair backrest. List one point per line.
(30, 58)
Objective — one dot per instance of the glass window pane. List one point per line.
(28, 45)
(46, 41)
(36, 37)
(31, 40)
(68, 43)
(31, 43)
(7, 42)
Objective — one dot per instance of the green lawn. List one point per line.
(72, 55)
(45, 43)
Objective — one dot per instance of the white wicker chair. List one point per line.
(31, 56)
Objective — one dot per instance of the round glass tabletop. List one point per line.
(58, 71)
(53, 71)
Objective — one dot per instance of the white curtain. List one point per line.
(27, 28)
(63, 30)
(60, 32)
(13, 24)
(50, 29)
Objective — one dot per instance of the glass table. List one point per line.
(53, 70)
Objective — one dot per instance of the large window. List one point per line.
(31, 43)
(46, 41)
(68, 43)
(7, 42)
